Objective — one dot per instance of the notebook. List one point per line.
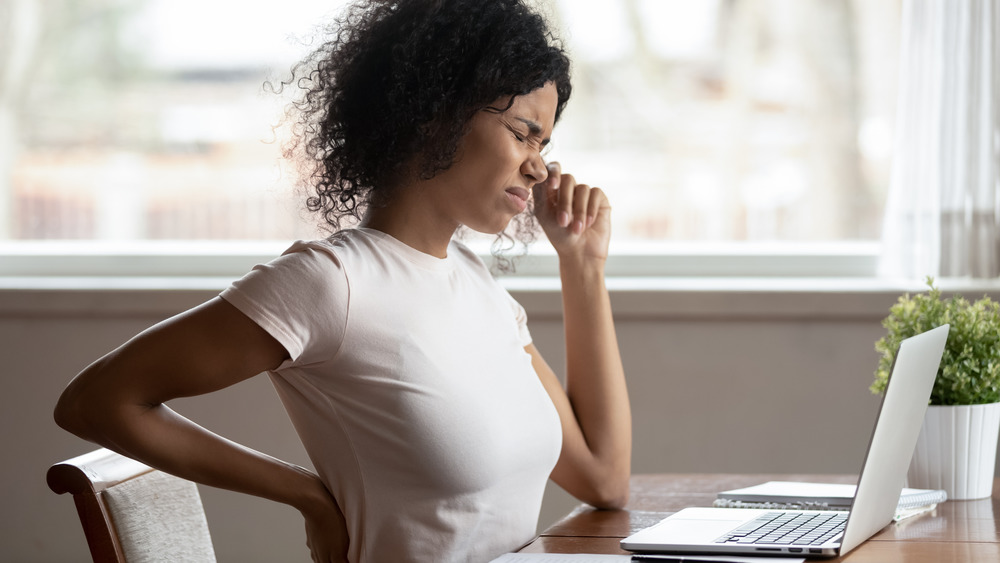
(825, 533)
(818, 496)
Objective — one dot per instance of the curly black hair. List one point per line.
(396, 83)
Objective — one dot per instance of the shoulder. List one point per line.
(333, 247)
(307, 267)
(336, 251)
(474, 264)
(468, 259)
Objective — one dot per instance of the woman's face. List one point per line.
(498, 161)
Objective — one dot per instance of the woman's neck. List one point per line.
(413, 223)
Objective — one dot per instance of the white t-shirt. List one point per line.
(410, 388)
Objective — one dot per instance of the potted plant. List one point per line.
(956, 450)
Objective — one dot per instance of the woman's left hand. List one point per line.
(575, 217)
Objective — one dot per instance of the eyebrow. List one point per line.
(533, 128)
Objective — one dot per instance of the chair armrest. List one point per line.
(93, 472)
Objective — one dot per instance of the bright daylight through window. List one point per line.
(714, 121)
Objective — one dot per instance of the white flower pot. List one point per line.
(956, 450)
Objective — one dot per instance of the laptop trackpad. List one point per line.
(697, 531)
(694, 525)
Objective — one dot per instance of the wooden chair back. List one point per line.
(131, 512)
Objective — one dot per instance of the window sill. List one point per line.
(627, 259)
(665, 298)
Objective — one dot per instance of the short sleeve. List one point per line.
(521, 316)
(301, 299)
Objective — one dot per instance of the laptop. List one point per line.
(741, 531)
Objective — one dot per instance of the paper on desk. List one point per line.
(677, 557)
(561, 558)
(592, 558)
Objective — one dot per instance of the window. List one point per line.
(709, 122)
(148, 120)
(752, 120)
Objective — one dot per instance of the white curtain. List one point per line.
(943, 209)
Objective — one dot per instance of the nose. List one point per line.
(534, 168)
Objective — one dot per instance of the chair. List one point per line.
(131, 512)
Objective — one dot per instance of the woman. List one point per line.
(432, 420)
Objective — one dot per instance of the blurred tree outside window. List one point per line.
(715, 120)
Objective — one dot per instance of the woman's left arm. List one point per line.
(595, 462)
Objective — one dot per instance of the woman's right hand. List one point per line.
(326, 530)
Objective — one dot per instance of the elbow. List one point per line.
(603, 484)
(609, 489)
(69, 413)
(78, 405)
(611, 496)
(97, 406)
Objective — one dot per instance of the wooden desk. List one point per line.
(954, 531)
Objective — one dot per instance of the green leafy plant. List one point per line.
(970, 367)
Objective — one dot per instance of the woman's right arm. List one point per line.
(118, 402)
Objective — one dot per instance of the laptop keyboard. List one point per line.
(788, 528)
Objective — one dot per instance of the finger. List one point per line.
(564, 206)
(581, 195)
(539, 198)
(544, 193)
(598, 199)
(555, 172)
(552, 184)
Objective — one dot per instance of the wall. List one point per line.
(722, 380)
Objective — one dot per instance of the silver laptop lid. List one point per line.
(895, 436)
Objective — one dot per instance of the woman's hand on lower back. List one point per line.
(326, 529)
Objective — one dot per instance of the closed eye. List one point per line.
(526, 139)
(533, 137)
